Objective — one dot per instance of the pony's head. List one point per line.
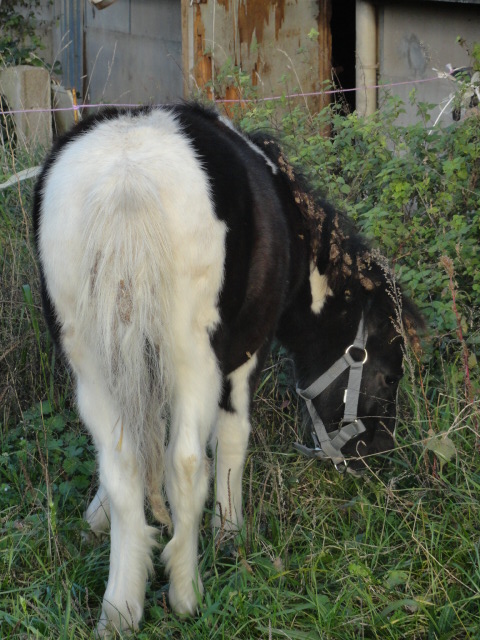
(359, 326)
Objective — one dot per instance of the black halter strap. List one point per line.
(328, 445)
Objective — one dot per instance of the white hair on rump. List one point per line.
(123, 309)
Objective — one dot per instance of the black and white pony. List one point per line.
(173, 249)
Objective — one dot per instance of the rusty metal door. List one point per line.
(275, 46)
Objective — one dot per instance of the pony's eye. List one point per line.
(391, 380)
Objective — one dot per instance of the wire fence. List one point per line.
(289, 96)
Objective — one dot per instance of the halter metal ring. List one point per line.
(341, 467)
(363, 348)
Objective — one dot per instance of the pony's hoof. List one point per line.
(91, 537)
(188, 603)
(116, 621)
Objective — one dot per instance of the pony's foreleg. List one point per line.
(122, 485)
(187, 473)
(229, 446)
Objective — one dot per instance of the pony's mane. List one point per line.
(353, 268)
(340, 252)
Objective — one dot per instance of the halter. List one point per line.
(328, 445)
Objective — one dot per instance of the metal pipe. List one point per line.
(366, 57)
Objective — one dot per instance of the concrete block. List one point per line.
(25, 88)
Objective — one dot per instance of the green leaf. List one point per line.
(472, 360)
(442, 447)
(57, 423)
(356, 569)
(408, 603)
(396, 578)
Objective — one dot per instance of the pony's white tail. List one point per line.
(123, 310)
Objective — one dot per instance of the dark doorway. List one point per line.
(343, 51)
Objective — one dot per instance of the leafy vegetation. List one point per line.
(19, 41)
(412, 190)
(393, 555)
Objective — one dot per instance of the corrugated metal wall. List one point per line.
(71, 56)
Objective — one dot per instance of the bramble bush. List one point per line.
(412, 190)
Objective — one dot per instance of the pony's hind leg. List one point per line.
(194, 408)
(122, 488)
(229, 446)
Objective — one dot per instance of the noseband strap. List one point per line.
(328, 445)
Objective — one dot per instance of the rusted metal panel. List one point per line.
(278, 45)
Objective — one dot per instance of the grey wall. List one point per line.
(128, 52)
(133, 51)
(414, 38)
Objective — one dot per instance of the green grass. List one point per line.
(393, 555)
